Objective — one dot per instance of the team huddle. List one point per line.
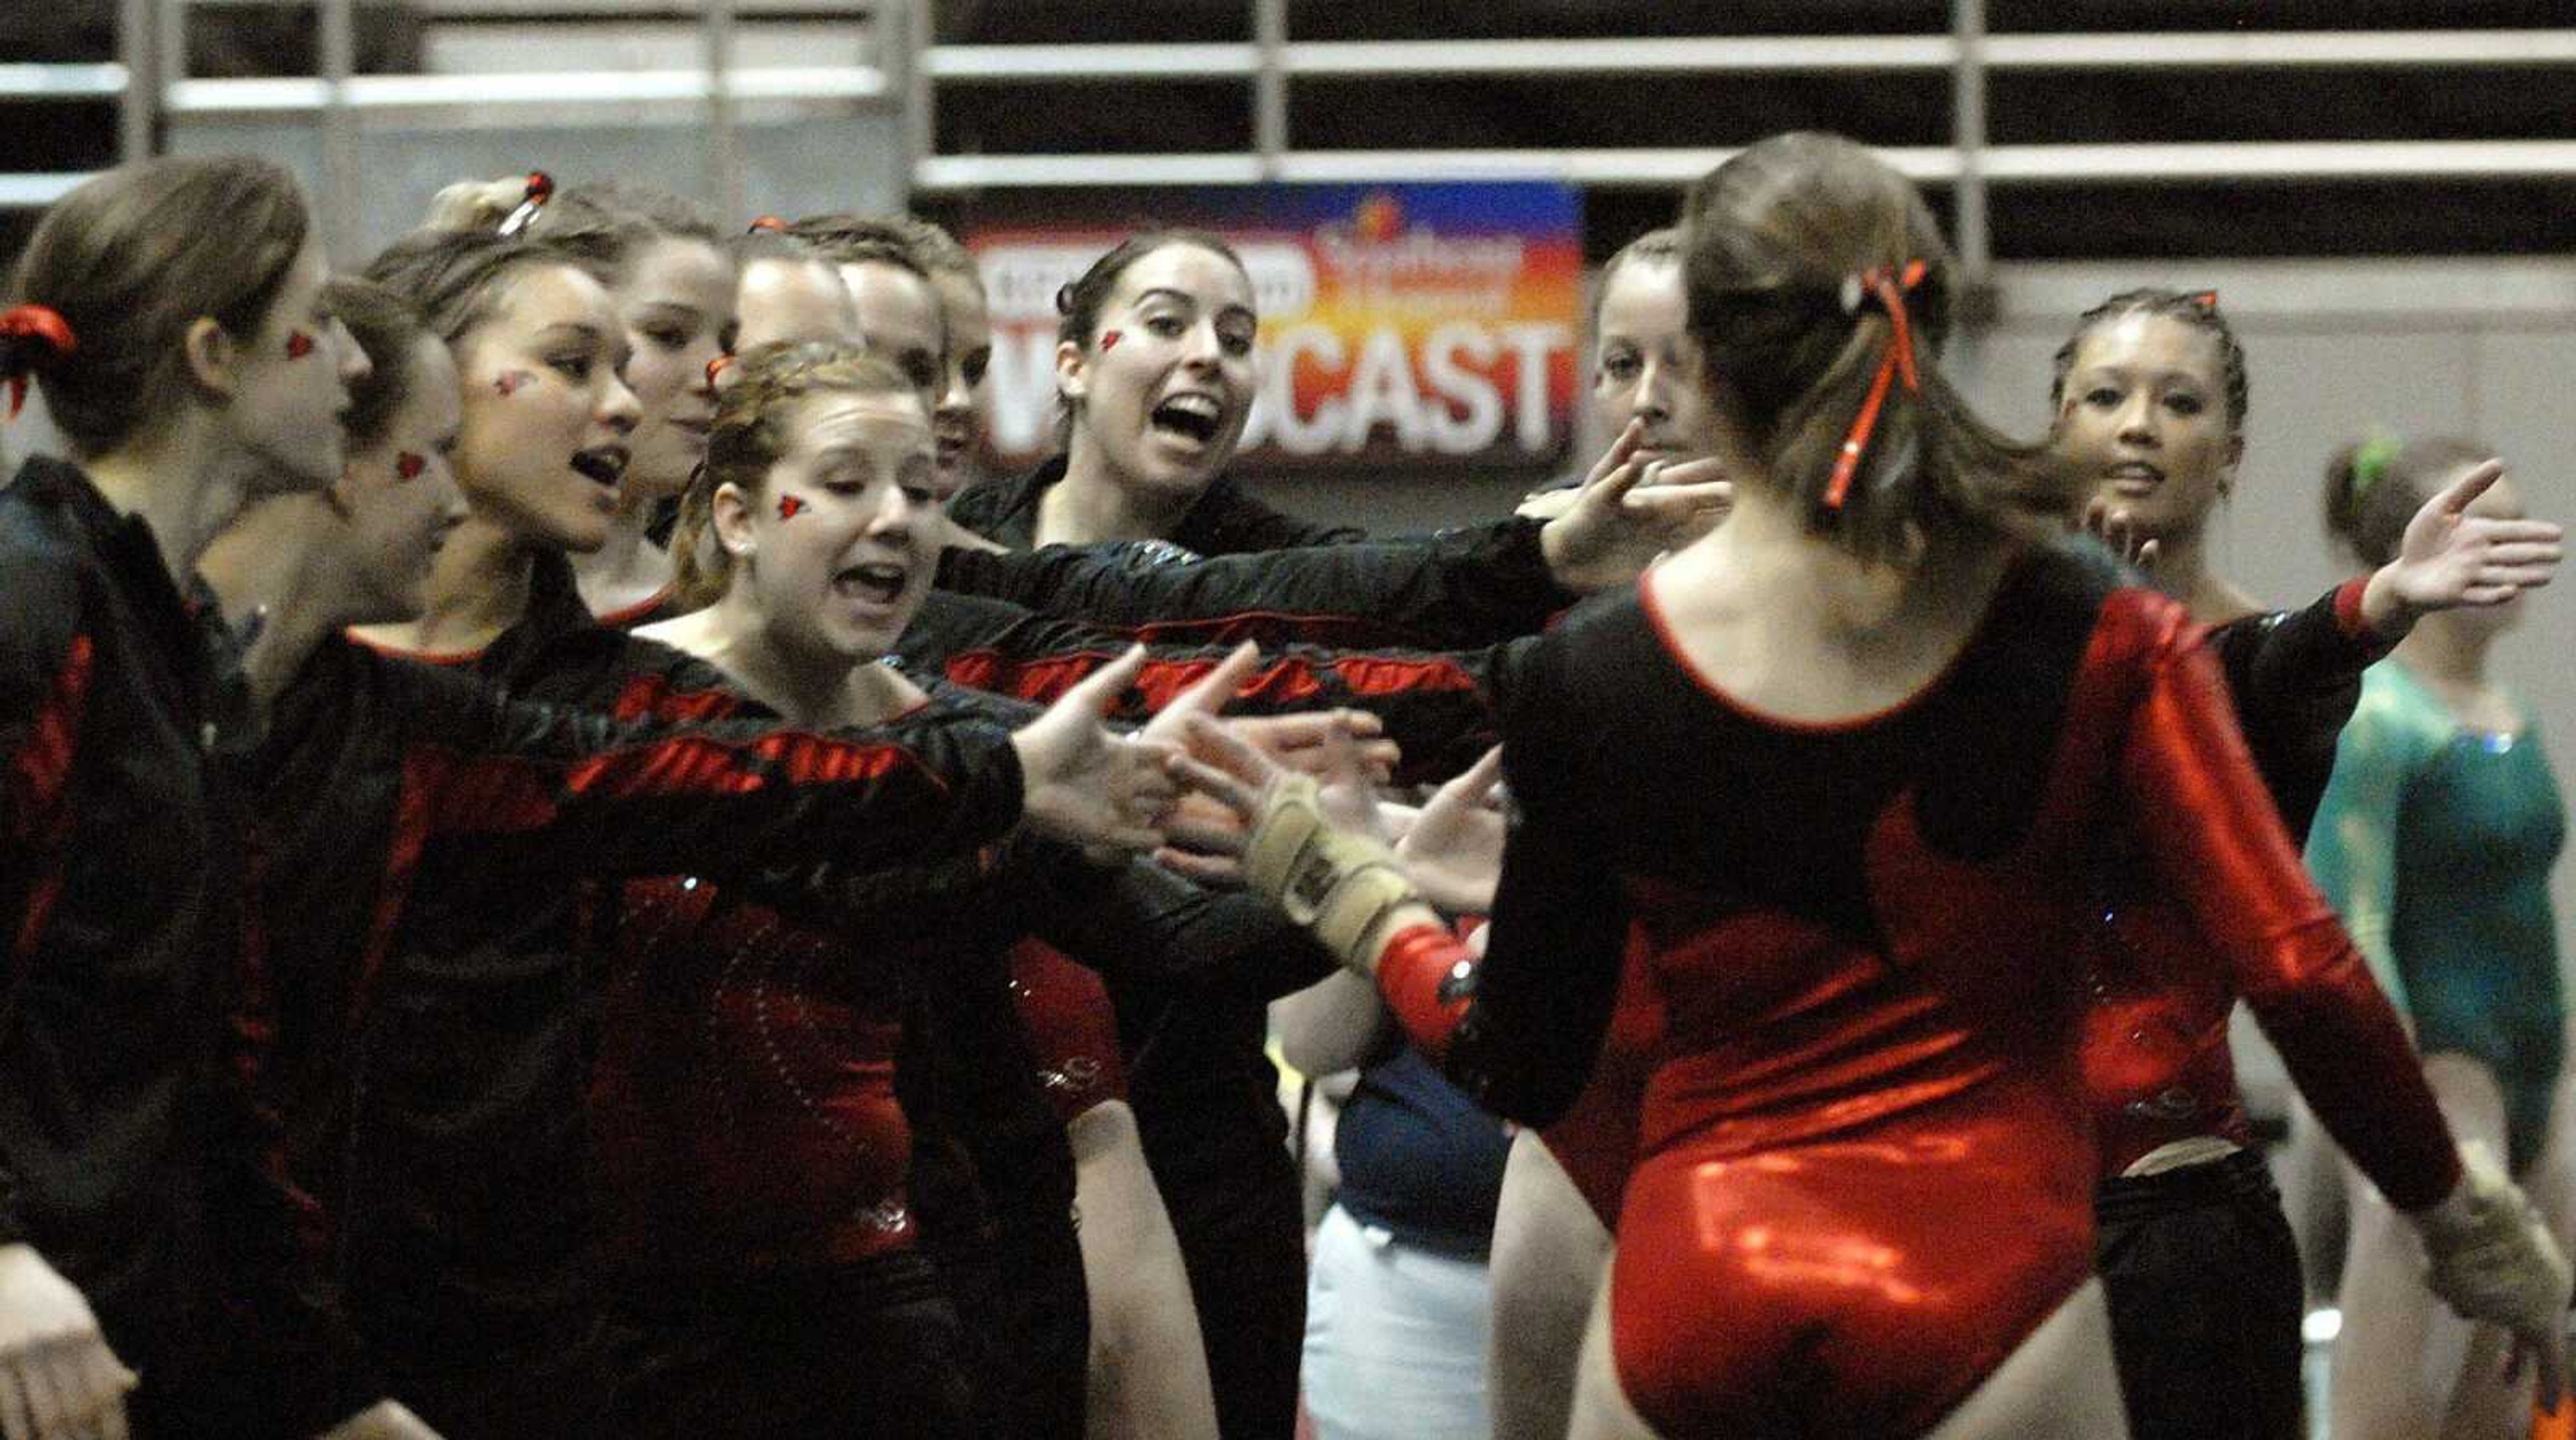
(572, 869)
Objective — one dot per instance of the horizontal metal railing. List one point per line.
(2018, 164)
(337, 99)
(1424, 59)
(1272, 60)
(120, 81)
(63, 82)
(909, 68)
(289, 94)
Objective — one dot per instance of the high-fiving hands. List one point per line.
(2450, 558)
(1084, 783)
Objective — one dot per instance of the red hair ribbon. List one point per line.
(541, 188)
(1889, 284)
(40, 322)
(770, 223)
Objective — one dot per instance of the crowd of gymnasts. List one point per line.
(571, 870)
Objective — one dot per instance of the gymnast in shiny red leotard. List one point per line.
(1843, 769)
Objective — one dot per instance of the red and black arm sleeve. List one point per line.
(1461, 588)
(1436, 705)
(2220, 849)
(2295, 677)
(46, 665)
(562, 790)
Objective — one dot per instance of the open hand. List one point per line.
(2450, 558)
(1296, 741)
(58, 1378)
(1454, 849)
(2117, 528)
(1087, 785)
(1627, 513)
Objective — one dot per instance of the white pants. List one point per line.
(1395, 1338)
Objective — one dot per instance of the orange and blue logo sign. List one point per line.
(1415, 325)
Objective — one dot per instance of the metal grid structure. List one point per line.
(912, 68)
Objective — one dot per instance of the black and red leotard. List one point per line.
(1866, 1174)
(2155, 1044)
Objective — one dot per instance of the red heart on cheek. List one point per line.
(790, 506)
(510, 381)
(408, 466)
(298, 344)
(1110, 341)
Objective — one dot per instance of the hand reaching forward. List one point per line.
(58, 1378)
(1296, 741)
(2117, 528)
(2493, 1260)
(1210, 833)
(2450, 558)
(1628, 513)
(1454, 848)
(954, 536)
(1086, 785)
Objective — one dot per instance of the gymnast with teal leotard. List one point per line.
(2435, 841)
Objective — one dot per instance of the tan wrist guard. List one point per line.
(1340, 886)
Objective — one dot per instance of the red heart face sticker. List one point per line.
(509, 382)
(1109, 341)
(298, 344)
(408, 466)
(790, 506)
(717, 366)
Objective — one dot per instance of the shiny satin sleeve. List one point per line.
(2213, 832)
(2352, 848)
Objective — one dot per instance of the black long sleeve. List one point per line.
(1462, 588)
(2295, 676)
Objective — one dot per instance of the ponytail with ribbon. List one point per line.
(30, 335)
(1887, 286)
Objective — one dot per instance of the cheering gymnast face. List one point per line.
(543, 449)
(1158, 388)
(832, 550)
